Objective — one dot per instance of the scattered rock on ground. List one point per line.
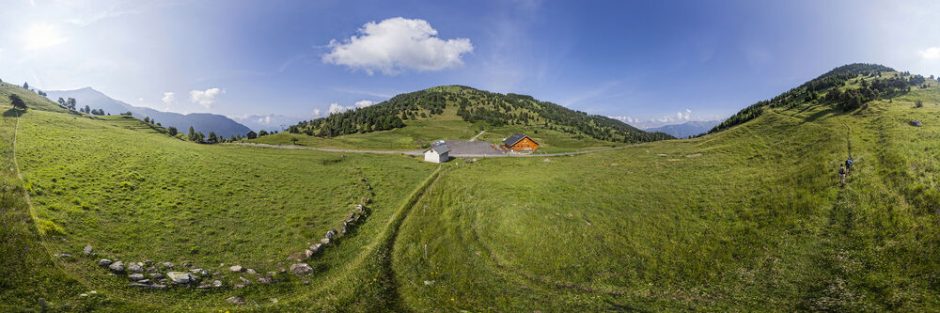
(117, 267)
(330, 234)
(236, 300)
(251, 271)
(136, 276)
(104, 262)
(157, 275)
(300, 268)
(88, 250)
(135, 267)
(236, 268)
(167, 265)
(181, 277)
(217, 283)
(199, 271)
(264, 280)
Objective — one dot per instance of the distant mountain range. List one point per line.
(201, 122)
(270, 122)
(687, 129)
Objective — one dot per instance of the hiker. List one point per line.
(848, 165)
(842, 175)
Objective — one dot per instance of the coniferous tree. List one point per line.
(17, 102)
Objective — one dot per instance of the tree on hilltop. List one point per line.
(17, 102)
(251, 135)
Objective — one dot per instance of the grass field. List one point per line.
(751, 219)
(747, 219)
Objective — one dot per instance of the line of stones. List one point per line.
(147, 274)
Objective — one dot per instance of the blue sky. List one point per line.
(649, 62)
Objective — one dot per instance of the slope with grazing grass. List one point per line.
(749, 219)
(135, 194)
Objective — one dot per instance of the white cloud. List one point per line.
(316, 113)
(364, 103)
(41, 36)
(930, 54)
(205, 98)
(397, 44)
(266, 120)
(168, 98)
(677, 118)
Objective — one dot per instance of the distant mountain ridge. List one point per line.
(201, 122)
(687, 129)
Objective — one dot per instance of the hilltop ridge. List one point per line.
(488, 109)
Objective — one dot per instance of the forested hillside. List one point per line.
(474, 106)
(847, 87)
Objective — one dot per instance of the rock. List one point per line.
(236, 300)
(139, 285)
(88, 250)
(148, 262)
(104, 262)
(204, 285)
(265, 280)
(167, 265)
(236, 268)
(308, 254)
(428, 282)
(135, 267)
(144, 281)
(325, 241)
(157, 275)
(251, 271)
(181, 277)
(300, 268)
(117, 267)
(330, 234)
(199, 271)
(217, 283)
(135, 276)
(245, 281)
(63, 255)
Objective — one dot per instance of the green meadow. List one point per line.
(747, 219)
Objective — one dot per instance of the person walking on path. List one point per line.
(848, 165)
(842, 175)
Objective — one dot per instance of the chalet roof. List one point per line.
(439, 148)
(512, 140)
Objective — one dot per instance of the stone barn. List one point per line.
(520, 143)
(438, 153)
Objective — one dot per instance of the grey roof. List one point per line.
(440, 148)
(516, 138)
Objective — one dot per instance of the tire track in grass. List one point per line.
(32, 211)
(393, 297)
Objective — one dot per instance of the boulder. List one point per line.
(316, 248)
(217, 283)
(104, 262)
(88, 250)
(236, 300)
(301, 268)
(236, 268)
(181, 277)
(330, 234)
(136, 276)
(117, 267)
(325, 241)
(251, 271)
(135, 267)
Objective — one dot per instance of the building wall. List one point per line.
(525, 144)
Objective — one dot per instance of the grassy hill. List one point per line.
(750, 218)
(414, 120)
